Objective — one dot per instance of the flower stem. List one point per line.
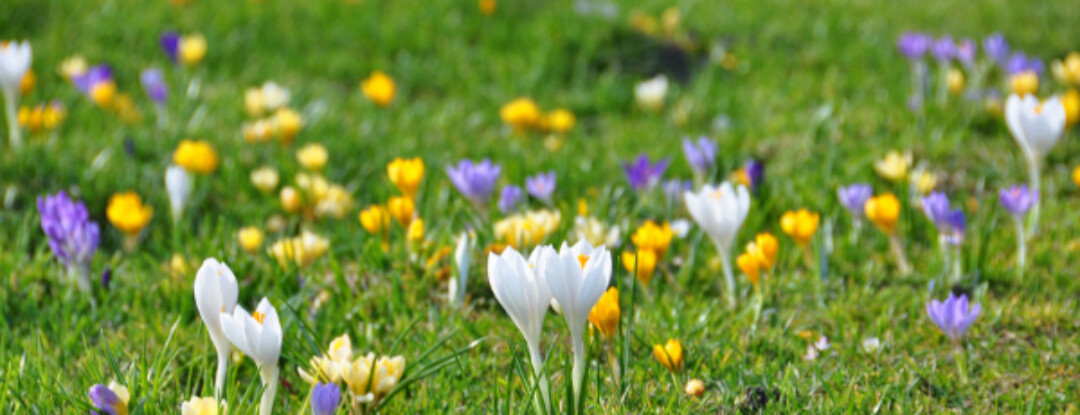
(1021, 249)
(729, 279)
(957, 265)
(1035, 182)
(270, 381)
(222, 368)
(898, 251)
(960, 364)
(579, 369)
(543, 400)
(11, 104)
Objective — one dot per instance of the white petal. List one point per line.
(234, 331)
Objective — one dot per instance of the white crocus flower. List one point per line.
(524, 295)
(275, 96)
(215, 293)
(178, 185)
(463, 259)
(1036, 127)
(15, 60)
(720, 212)
(258, 335)
(576, 276)
(650, 94)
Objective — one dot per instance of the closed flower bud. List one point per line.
(406, 175)
(670, 354)
(192, 49)
(605, 314)
(379, 88)
(644, 260)
(401, 209)
(800, 225)
(312, 156)
(560, 121)
(375, 219)
(196, 156)
(288, 123)
(521, 113)
(1024, 83)
(415, 233)
(954, 80)
(290, 199)
(749, 266)
(251, 238)
(265, 179)
(695, 388)
(884, 212)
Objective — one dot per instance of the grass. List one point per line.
(818, 92)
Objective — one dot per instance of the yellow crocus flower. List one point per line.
(196, 156)
(645, 261)
(884, 212)
(670, 354)
(1025, 83)
(191, 49)
(560, 121)
(654, 237)
(800, 225)
(127, 213)
(312, 156)
(379, 88)
(605, 314)
(375, 219)
(893, 166)
(401, 209)
(250, 238)
(406, 174)
(521, 113)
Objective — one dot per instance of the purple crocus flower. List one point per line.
(854, 198)
(755, 173)
(1019, 62)
(944, 49)
(510, 198)
(541, 186)
(73, 237)
(1017, 200)
(106, 401)
(96, 75)
(937, 209)
(325, 398)
(965, 52)
(957, 224)
(643, 174)
(914, 45)
(674, 190)
(475, 181)
(153, 82)
(701, 154)
(996, 47)
(170, 43)
(953, 316)
(106, 277)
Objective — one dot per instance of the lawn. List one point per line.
(815, 91)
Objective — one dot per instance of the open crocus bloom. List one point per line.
(577, 276)
(257, 335)
(720, 211)
(525, 296)
(1035, 126)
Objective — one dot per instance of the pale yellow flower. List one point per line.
(312, 156)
